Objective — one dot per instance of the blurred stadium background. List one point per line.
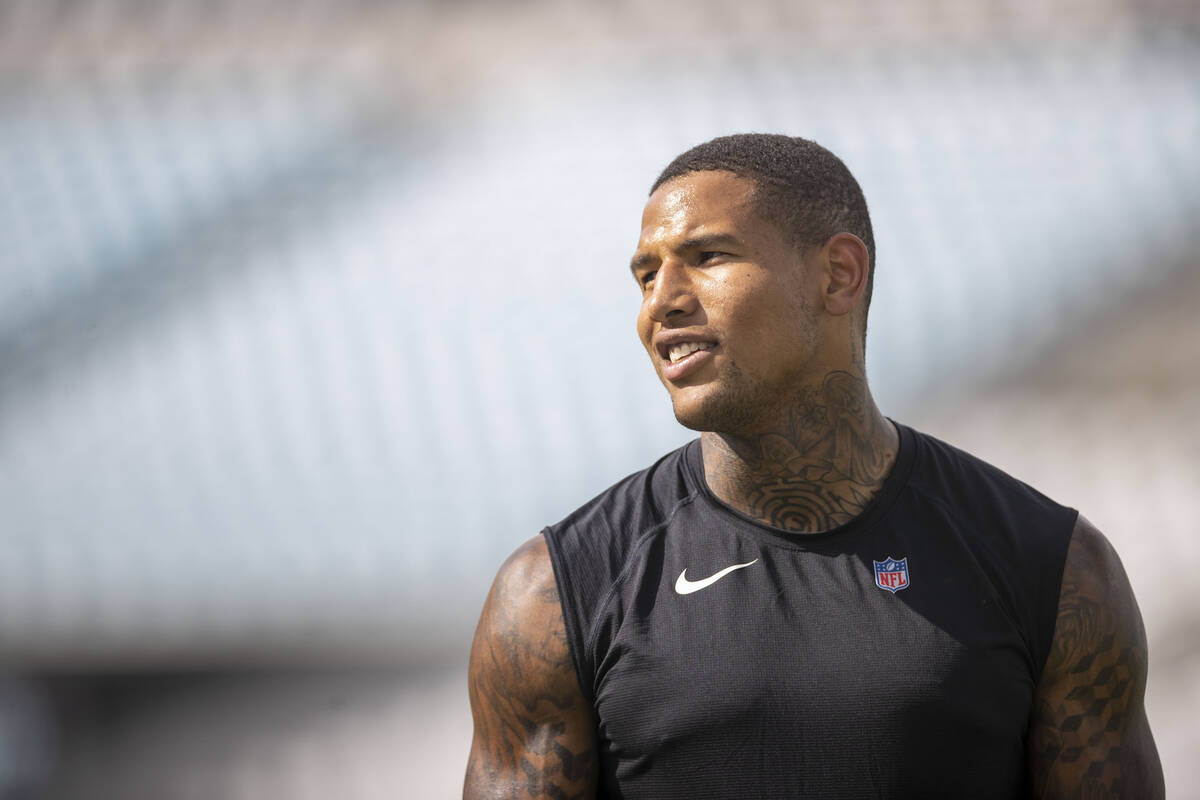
(312, 311)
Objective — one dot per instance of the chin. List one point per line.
(688, 420)
(715, 412)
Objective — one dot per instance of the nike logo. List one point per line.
(684, 586)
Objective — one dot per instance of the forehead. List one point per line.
(697, 202)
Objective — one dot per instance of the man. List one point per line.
(810, 600)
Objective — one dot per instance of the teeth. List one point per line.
(678, 351)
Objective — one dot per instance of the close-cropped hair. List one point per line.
(800, 186)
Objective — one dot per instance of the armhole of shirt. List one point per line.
(1046, 642)
(571, 617)
(581, 623)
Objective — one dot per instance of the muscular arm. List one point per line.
(534, 731)
(1089, 735)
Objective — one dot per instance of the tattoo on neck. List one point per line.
(818, 471)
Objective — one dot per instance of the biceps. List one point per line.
(554, 760)
(530, 743)
(1093, 754)
(533, 739)
(1090, 736)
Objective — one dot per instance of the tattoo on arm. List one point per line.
(534, 731)
(1089, 735)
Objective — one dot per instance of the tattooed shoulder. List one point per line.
(1089, 736)
(534, 731)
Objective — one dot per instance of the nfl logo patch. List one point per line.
(891, 574)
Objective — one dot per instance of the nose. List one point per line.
(673, 294)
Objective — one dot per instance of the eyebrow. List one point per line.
(702, 243)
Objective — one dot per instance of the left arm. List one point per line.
(1089, 736)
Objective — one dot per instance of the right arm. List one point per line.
(535, 734)
(1089, 734)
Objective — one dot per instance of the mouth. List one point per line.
(678, 352)
(680, 359)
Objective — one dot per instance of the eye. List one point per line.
(646, 278)
(709, 255)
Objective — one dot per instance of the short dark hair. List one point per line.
(800, 186)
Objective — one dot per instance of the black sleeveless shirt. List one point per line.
(893, 657)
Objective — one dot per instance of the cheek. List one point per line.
(645, 328)
(770, 325)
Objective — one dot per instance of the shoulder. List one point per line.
(1017, 523)
(522, 617)
(520, 666)
(953, 472)
(638, 500)
(1096, 606)
(591, 545)
(526, 573)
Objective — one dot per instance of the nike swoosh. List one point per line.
(684, 586)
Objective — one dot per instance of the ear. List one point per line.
(847, 265)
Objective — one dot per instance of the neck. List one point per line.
(815, 468)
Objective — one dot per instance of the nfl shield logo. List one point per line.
(891, 574)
